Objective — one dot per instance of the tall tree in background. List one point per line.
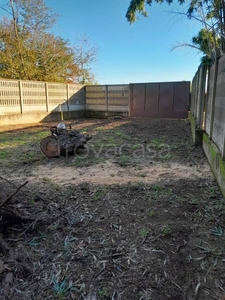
(211, 13)
(29, 51)
(85, 55)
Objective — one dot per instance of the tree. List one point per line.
(85, 55)
(204, 41)
(211, 13)
(29, 51)
(54, 58)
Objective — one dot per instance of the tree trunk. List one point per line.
(62, 142)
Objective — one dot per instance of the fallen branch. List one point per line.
(13, 194)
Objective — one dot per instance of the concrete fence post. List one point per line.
(223, 146)
(212, 113)
(46, 97)
(67, 96)
(207, 98)
(196, 94)
(201, 103)
(193, 95)
(106, 98)
(21, 95)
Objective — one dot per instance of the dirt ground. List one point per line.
(135, 215)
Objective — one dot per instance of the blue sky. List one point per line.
(140, 52)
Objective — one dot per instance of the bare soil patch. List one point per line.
(136, 215)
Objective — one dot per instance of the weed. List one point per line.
(143, 233)
(80, 162)
(180, 199)
(84, 130)
(61, 289)
(98, 160)
(34, 242)
(152, 213)
(136, 146)
(102, 292)
(124, 160)
(122, 135)
(29, 157)
(98, 194)
(216, 206)
(166, 230)
(4, 154)
(194, 201)
(212, 193)
(32, 201)
(174, 146)
(51, 183)
(110, 140)
(218, 231)
(207, 249)
(158, 189)
(140, 184)
(158, 143)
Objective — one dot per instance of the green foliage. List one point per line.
(205, 41)
(211, 39)
(61, 289)
(102, 292)
(124, 160)
(217, 231)
(166, 230)
(143, 233)
(209, 250)
(98, 194)
(152, 213)
(136, 6)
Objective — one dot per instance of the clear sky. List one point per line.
(140, 52)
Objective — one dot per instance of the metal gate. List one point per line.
(160, 100)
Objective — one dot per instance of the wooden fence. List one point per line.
(208, 102)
